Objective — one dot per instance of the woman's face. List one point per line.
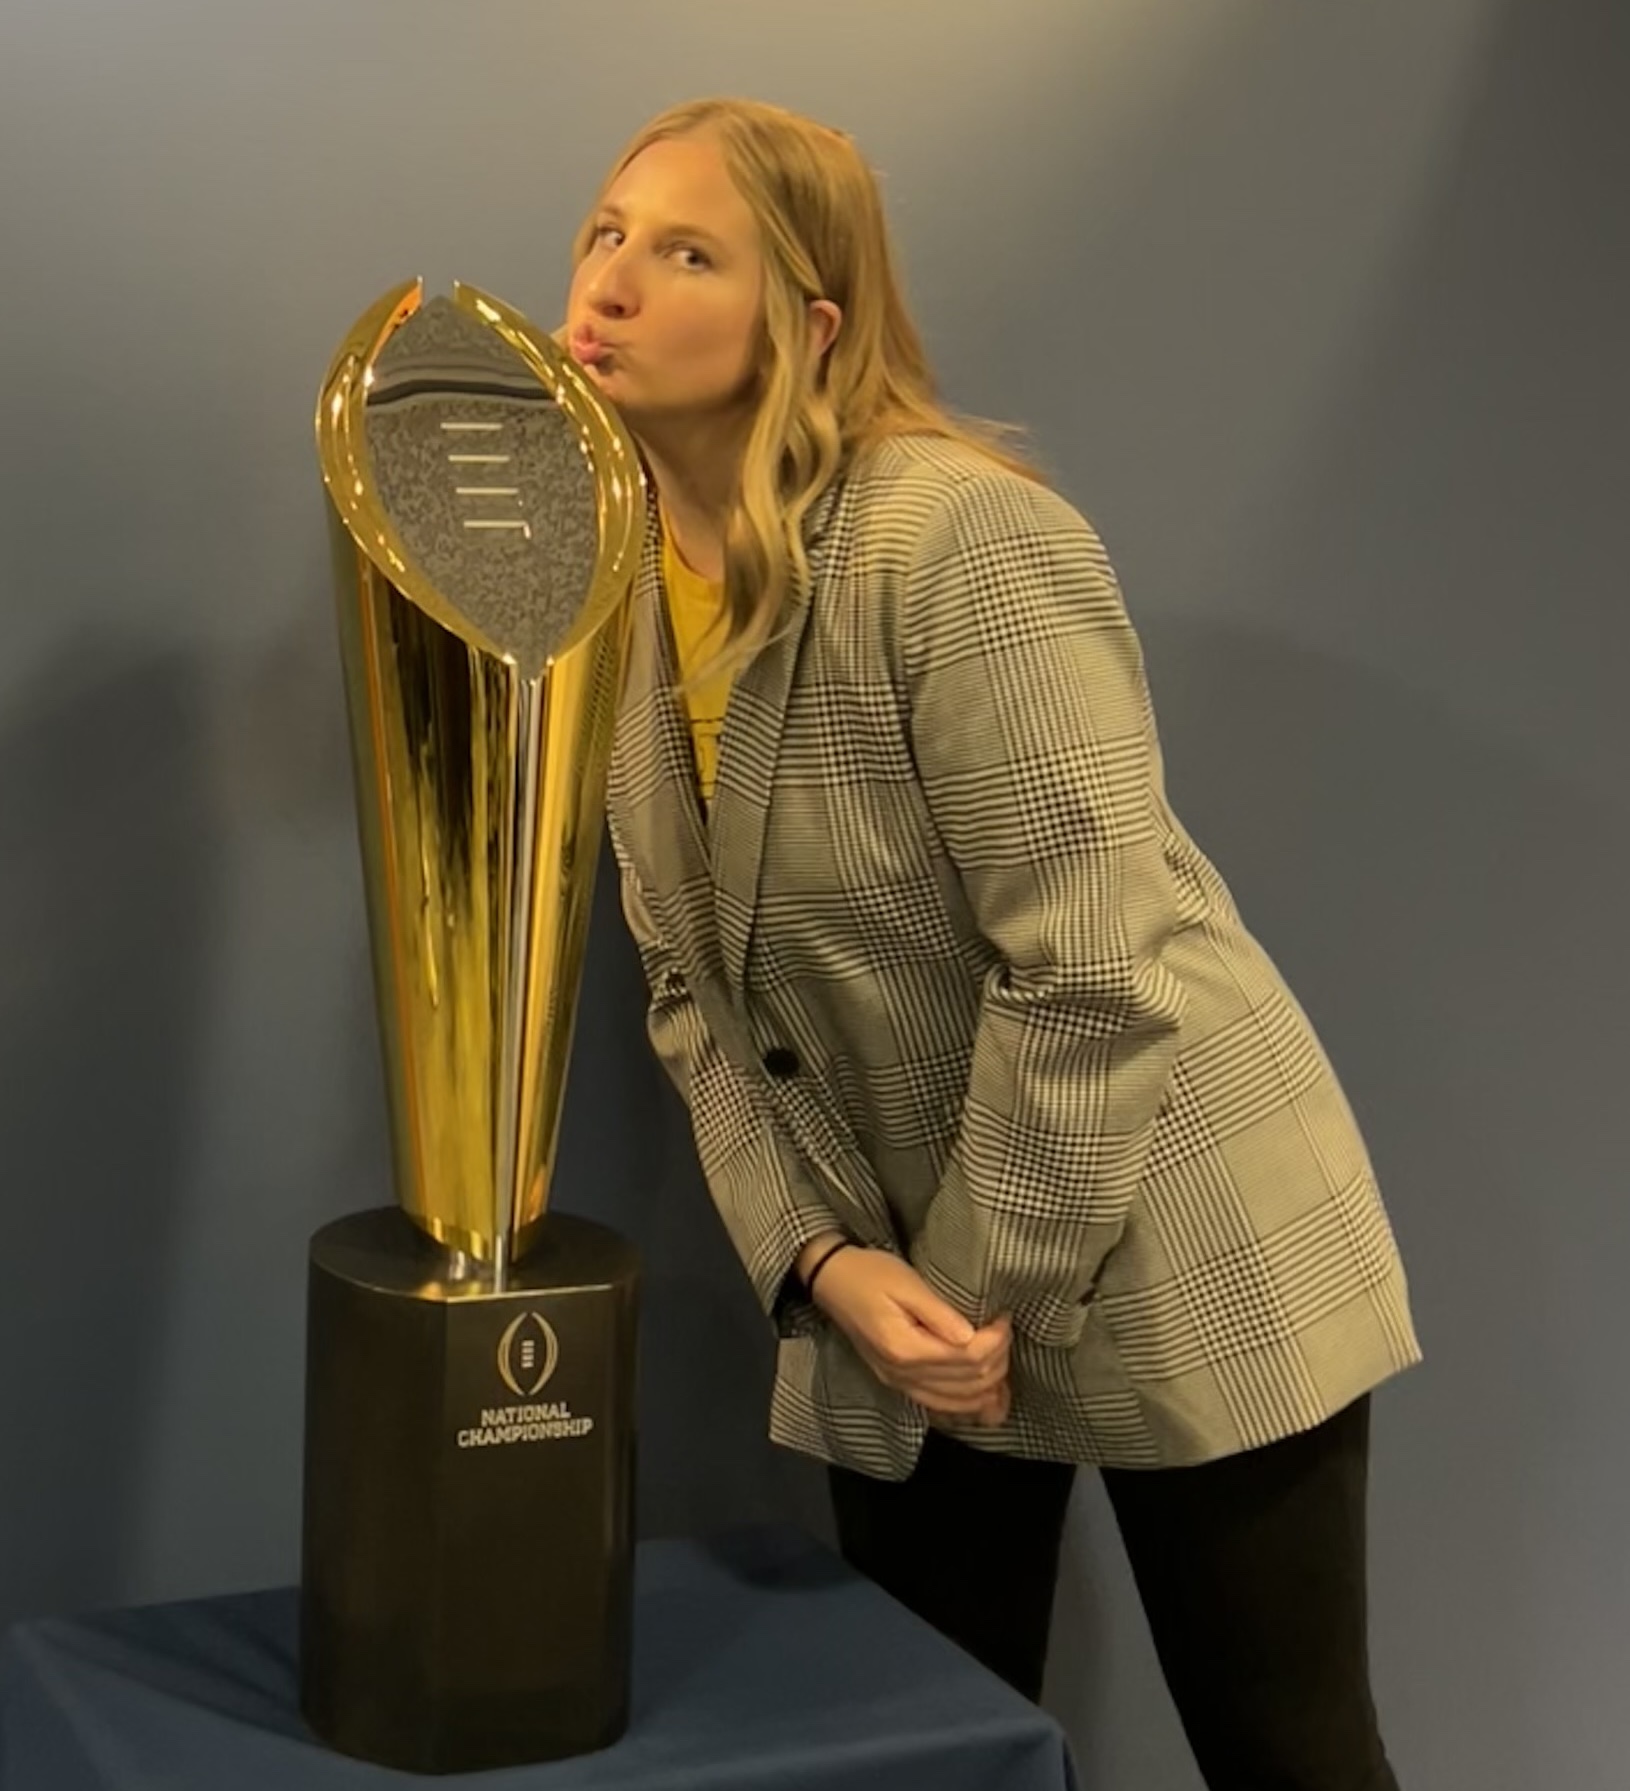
(664, 309)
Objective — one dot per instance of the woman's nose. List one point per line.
(611, 291)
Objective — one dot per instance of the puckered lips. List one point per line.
(589, 349)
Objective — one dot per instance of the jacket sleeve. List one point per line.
(1032, 731)
(765, 1199)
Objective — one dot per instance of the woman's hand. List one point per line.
(909, 1337)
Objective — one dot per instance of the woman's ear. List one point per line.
(825, 320)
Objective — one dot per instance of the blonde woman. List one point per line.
(1028, 1151)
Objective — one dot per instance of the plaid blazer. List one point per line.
(942, 970)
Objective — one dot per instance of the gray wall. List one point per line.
(1317, 308)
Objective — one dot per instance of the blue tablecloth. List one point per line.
(761, 1664)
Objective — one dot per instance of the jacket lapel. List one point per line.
(749, 750)
(702, 880)
(702, 883)
(652, 778)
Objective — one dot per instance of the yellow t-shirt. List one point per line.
(694, 606)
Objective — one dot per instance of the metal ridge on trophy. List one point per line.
(468, 1503)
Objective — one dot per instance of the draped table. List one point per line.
(761, 1663)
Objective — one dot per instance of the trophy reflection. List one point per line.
(467, 1542)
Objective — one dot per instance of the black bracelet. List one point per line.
(822, 1260)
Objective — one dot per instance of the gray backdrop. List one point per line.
(1317, 308)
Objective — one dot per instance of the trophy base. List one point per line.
(467, 1566)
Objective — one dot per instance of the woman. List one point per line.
(1028, 1151)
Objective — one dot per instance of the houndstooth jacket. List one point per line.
(942, 970)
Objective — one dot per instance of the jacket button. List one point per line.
(781, 1061)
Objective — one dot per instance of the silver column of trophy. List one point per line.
(468, 1507)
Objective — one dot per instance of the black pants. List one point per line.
(1251, 1570)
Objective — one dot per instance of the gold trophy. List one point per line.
(468, 1501)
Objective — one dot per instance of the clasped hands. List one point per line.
(910, 1338)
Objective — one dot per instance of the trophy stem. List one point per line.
(527, 746)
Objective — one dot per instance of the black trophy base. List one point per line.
(467, 1570)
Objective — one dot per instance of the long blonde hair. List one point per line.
(823, 235)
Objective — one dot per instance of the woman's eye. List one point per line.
(604, 232)
(694, 259)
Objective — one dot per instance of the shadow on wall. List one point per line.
(106, 913)
(1436, 858)
(1465, 911)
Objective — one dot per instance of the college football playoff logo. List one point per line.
(528, 1353)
